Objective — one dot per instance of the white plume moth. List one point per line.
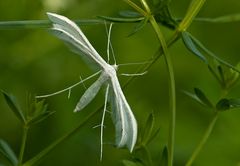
(122, 116)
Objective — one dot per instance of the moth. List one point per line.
(122, 115)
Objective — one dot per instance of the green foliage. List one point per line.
(227, 76)
(161, 11)
(227, 104)
(200, 97)
(13, 105)
(36, 111)
(191, 46)
(148, 130)
(164, 159)
(8, 153)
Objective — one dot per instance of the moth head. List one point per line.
(115, 66)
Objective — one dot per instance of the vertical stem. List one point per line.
(172, 91)
(171, 79)
(203, 140)
(23, 144)
(207, 132)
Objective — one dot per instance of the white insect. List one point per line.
(122, 116)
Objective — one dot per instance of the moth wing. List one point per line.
(90, 93)
(68, 31)
(123, 118)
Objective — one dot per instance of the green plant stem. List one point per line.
(30, 24)
(207, 132)
(45, 151)
(171, 79)
(136, 7)
(23, 144)
(192, 11)
(203, 140)
(172, 90)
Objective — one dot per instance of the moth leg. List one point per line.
(134, 74)
(69, 88)
(102, 122)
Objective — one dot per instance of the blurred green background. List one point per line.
(32, 60)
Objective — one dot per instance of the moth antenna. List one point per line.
(109, 43)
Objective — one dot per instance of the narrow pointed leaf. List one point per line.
(121, 19)
(90, 93)
(223, 105)
(203, 98)
(147, 132)
(194, 97)
(187, 40)
(40, 117)
(139, 26)
(220, 71)
(215, 74)
(235, 103)
(12, 103)
(211, 54)
(129, 14)
(154, 135)
(227, 104)
(8, 153)
(164, 159)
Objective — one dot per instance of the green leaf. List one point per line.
(154, 134)
(164, 159)
(37, 110)
(12, 103)
(211, 54)
(121, 19)
(235, 103)
(232, 77)
(194, 97)
(8, 153)
(223, 105)
(187, 40)
(143, 156)
(216, 76)
(129, 14)
(164, 17)
(40, 117)
(227, 104)
(139, 26)
(147, 132)
(221, 73)
(203, 98)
